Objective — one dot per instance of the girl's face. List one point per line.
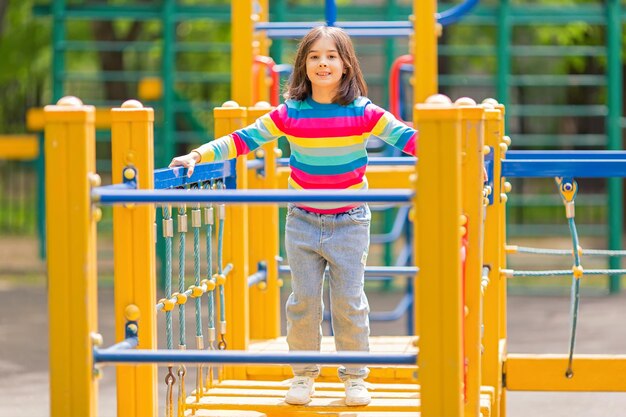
(324, 68)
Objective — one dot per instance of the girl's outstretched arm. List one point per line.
(391, 130)
(238, 143)
(190, 160)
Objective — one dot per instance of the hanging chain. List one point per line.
(170, 380)
(182, 371)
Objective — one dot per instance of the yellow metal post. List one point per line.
(134, 261)
(494, 306)
(424, 49)
(503, 144)
(71, 241)
(439, 241)
(242, 31)
(260, 46)
(235, 249)
(264, 243)
(472, 162)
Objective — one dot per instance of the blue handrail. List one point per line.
(105, 195)
(233, 356)
(455, 13)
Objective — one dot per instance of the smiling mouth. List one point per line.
(323, 74)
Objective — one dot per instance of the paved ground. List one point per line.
(537, 324)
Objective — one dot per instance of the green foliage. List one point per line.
(25, 64)
(24, 44)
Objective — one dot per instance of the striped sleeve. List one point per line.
(389, 129)
(246, 140)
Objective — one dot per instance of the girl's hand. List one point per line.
(188, 161)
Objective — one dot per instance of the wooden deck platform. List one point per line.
(266, 398)
(394, 390)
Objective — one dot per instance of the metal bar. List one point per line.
(549, 80)
(445, 18)
(130, 343)
(287, 25)
(473, 80)
(504, 42)
(57, 10)
(358, 33)
(456, 13)
(613, 129)
(41, 197)
(330, 12)
(557, 51)
(391, 10)
(466, 50)
(522, 14)
(107, 46)
(199, 77)
(567, 155)
(559, 140)
(543, 110)
(136, 12)
(223, 47)
(121, 186)
(105, 196)
(108, 76)
(394, 314)
(168, 69)
(255, 164)
(374, 25)
(142, 46)
(243, 357)
(392, 161)
(596, 168)
(373, 270)
(256, 278)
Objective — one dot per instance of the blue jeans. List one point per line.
(341, 242)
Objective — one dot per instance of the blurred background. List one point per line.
(557, 66)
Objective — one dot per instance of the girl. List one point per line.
(327, 120)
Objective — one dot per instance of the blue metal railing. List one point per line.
(376, 29)
(105, 195)
(579, 164)
(243, 357)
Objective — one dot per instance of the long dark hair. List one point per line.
(352, 83)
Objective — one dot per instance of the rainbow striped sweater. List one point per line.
(328, 143)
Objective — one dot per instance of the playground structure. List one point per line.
(448, 325)
(135, 304)
(466, 295)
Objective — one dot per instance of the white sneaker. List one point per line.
(356, 392)
(300, 391)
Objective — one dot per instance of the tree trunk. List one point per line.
(113, 61)
(4, 5)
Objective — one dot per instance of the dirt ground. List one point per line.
(536, 324)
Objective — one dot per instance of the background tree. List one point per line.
(24, 63)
